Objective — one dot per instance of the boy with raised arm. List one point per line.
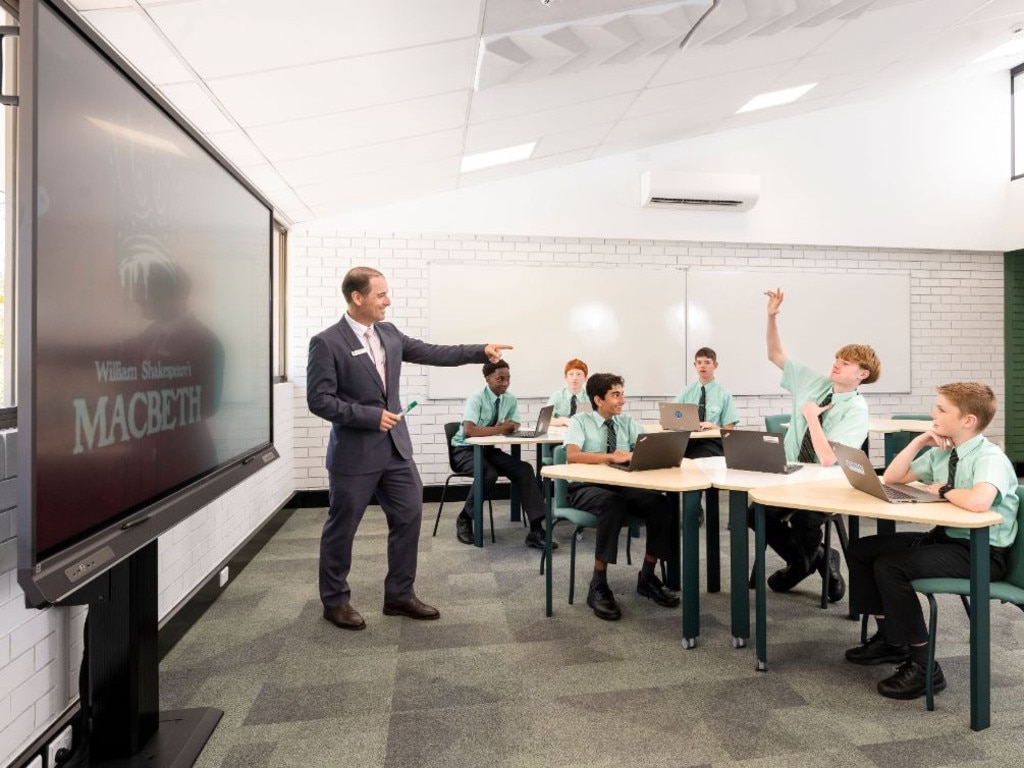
(603, 436)
(494, 410)
(965, 469)
(714, 404)
(825, 409)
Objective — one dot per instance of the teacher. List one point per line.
(352, 381)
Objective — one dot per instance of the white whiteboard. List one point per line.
(628, 321)
(821, 313)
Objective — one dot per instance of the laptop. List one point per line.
(756, 451)
(543, 421)
(861, 475)
(659, 450)
(679, 416)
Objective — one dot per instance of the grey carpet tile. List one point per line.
(496, 683)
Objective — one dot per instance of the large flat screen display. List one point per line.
(144, 329)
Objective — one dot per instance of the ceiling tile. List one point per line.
(378, 157)
(403, 183)
(131, 33)
(193, 102)
(336, 86)
(269, 34)
(238, 148)
(520, 169)
(347, 130)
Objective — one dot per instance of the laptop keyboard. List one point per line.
(895, 495)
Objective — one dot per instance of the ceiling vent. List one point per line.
(699, 191)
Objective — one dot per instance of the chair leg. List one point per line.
(967, 605)
(844, 539)
(864, 629)
(490, 508)
(828, 548)
(444, 492)
(572, 565)
(933, 618)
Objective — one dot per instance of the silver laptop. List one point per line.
(659, 450)
(756, 451)
(679, 416)
(543, 421)
(861, 475)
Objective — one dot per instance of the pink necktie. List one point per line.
(377, 352)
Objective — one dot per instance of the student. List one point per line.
(825, 408)
(713, 401)
(602, 436)
(568, 398)
(965, 469)
(494, 410)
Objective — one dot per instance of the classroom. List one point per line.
(897, 177)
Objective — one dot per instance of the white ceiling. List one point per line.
(332, 105)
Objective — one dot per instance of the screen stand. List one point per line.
(120, 677)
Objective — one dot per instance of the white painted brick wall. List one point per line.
(948, 290)
(41, 651)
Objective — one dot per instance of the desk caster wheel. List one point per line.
(689, 642)
(739, 642)
(762, 666)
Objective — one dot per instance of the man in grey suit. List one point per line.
(352, 381)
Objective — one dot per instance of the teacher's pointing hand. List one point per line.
(493, 351)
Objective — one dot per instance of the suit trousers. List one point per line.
(883, 567)
(704, 447)
(497, 462)
(794, 534)
(614, 506)
(400, 494)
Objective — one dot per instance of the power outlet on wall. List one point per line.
(62, 741)
(225, 574)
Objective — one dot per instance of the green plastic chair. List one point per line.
(1009, 590)
(897, 441)
(775, 422)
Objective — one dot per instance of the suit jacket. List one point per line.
(345, 390)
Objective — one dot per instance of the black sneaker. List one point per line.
(910, 681)
(653, 588)
(535, 539)
(464, 529)
(836, 583)
(876, 651)
(601, 599)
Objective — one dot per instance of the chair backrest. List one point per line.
(900, 440)
(450, 430)
(1015, 567)
(774, 423)
(561, 486)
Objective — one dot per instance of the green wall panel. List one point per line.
(1013, 408)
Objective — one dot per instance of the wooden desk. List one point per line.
(837, 496)
(739, 482)
(684, 480)
(554, 436)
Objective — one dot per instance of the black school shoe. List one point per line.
(876, 651)
(786, 578)
(653, 588)
(601, 599)
(836, 583)
(909, 682)
(535, 539)
(464, 529)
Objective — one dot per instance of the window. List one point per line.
(1017, 120)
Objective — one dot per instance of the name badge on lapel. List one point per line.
(358, 352)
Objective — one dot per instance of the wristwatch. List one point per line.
(944, 490)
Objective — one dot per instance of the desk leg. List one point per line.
(853, 527)
(548, 525)
(981, 651)
(690, 567)
(760, 598)
(739, 562)
(513, 494)
(478, 496)
(711, 540)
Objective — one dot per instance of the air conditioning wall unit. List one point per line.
(699, 191)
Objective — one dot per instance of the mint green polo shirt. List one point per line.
(980, 461)
(562, 399)
(588, 433)
(480, 410)
(718, 407)
(846, 422)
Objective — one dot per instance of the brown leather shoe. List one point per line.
(413, 608)
(344, 616)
